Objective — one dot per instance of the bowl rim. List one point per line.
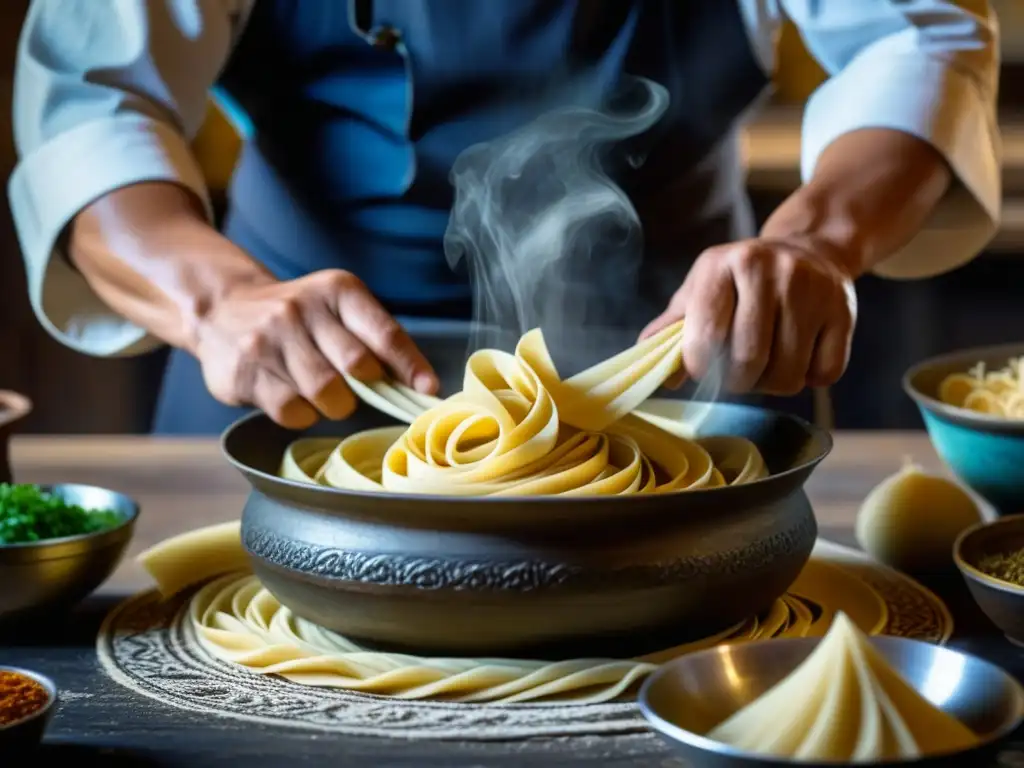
(972, 571)
(962, 416)
(827, 444)
(127, 522)
(666, 728)
(46, 682)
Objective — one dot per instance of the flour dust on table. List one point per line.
(150, 644)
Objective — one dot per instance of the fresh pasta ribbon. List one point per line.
(518, 429)
(997, 393)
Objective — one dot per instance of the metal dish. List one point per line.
(691, 695)
(985, 452)
(525, 576)
(26, 733)
(44, 576)
(1001, 601)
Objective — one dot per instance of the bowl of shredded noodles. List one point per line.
(529, 510)
(972, 404)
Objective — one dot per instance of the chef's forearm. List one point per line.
(871, 193)
(150, 254)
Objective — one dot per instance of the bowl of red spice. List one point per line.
(990, 557)
(27, 701)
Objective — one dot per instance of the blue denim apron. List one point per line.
(359, 109)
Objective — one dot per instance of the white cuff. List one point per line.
(53, 183)
(928, 99)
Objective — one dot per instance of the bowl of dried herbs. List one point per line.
(58, 543)
(990, 557)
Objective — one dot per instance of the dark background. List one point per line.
(900, 322)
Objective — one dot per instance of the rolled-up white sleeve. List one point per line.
(929, 68)
(107, 93)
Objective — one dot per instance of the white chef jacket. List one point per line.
(929, 68)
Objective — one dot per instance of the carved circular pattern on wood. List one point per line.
(148, 645)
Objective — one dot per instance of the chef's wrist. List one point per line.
(871, 192)
(207, 277)
(816, 221)
(149, 252)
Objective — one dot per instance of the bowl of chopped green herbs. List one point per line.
(58, 543)
(990, 557)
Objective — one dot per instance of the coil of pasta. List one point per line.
(997, 392)
(518, 429)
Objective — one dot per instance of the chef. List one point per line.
(359, 109)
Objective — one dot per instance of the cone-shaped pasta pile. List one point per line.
(844, 703)
(518, 429)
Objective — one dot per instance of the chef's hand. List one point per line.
(783, 310)
(281, 346)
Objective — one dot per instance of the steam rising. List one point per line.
(549, 239)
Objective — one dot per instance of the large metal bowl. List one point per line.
(38, 578)
(503, 576)
(688, 697)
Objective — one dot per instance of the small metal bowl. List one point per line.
(1001, 601)
(985, 452)
(26, 733)
(688, 697)
(41, 577)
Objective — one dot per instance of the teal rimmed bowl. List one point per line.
(985, 452)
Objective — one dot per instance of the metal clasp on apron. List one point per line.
(387, 38)
(361, 21)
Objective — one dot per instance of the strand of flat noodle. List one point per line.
(518, 429)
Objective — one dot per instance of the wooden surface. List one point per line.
(184, 484)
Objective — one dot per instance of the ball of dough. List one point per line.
(910, 520)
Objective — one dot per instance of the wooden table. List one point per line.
(184, 484)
